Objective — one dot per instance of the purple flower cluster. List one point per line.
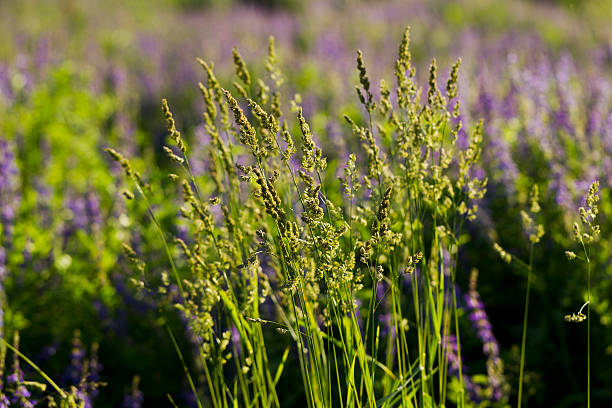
(83, 373)
(533, 109)
(135, 397)
(77, 357)
(86, 213)
(82, 386)
(9, 205)
(19, 394)
(454, 361)
(490, 346)
(9, 195)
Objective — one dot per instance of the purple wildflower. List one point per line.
(4, 402)
(9, 196)
(77, 207)
(490, 346)
(454, 360)
(21, 395)
(92, 205)
(135, 397)
(9, 204)
(500, 155)
(236, 340)
(77, 357)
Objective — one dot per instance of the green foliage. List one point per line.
(58, 129)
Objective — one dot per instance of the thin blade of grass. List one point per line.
(35, 367)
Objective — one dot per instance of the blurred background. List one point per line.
(78, 76)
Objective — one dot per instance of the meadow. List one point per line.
(274, 203)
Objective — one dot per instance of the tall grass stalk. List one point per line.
(585, 236)
(534, 232)
(588, 319)
(332, 270)
(525, 319)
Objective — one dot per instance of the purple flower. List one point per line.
(490, 346)
(9, 193)
(9, 204)
(92, 206)
(135, 397)
(77, 357)
(454, 360)
(499, 155)
(236, 340)
(86, 213)
(21, 396)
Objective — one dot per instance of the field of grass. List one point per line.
(343, 203)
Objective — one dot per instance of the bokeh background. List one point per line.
(78, 76)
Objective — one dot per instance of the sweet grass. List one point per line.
(272, 231)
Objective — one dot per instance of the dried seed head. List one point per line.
(128, 194)
(364, 94)
(240, 66)
(433, 86)
(383, 209)
(248, 136)
(506, 257)
(379, 273)
(451, 85)
(173, 156)
(175, 135)
(575, 317)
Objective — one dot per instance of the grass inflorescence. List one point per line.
(362, 283)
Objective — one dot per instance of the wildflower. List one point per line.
(483, 327)
(135, 397)
(454, 361)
